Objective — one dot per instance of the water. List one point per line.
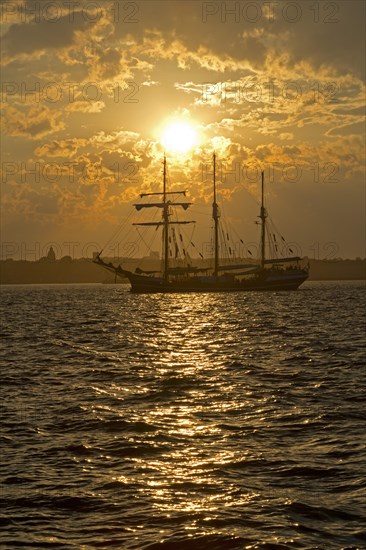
(208, 421)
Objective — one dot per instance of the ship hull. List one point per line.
(289, 280)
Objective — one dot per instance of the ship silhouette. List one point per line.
(269, 273)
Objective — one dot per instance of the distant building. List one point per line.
(51, 256)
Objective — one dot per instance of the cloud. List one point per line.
(33, 123)
(86, 106)
(60, 148)
(286, 136)
(29, 38)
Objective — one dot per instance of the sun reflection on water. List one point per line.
(179, 369)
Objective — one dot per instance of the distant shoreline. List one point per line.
(84, 271)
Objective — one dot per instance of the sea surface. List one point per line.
(191, 421)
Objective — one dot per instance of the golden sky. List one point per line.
(93, 92)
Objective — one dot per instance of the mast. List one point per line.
(263, 216)
(166, 206)
(215, 216)
(166, 225)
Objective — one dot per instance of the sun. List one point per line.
(179, 137)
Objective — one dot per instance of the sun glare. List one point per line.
(179, 137)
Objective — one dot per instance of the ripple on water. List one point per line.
(188, 421)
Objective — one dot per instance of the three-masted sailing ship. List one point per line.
(281, 273)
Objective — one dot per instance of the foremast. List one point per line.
(215, 216)
(166, 226)
(165, 205)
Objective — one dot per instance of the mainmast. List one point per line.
(215, 216)
(166, 225)
(263, 215)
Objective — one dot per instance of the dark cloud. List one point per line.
(32, 37)
(33, 123)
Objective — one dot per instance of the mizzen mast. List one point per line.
(263, 215)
